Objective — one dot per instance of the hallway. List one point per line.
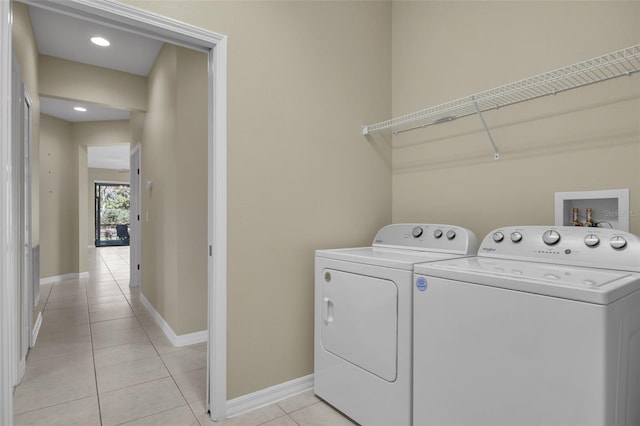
(100, 359)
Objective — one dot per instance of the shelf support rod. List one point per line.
(496, 153)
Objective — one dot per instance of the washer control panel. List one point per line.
(594, 247)
(427, 237)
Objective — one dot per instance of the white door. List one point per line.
(135, 211)
(360, 321)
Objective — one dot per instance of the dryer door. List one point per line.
(360, 321)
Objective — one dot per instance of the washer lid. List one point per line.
(600, 286)
(390, 258)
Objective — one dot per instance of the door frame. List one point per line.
(156, 26)
(28, 290)
(96, 208)
(7, 258)
(14, 243)
(135, 212)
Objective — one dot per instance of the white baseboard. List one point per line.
(60, 278)
(176, 340)
(36, 329)
(261, 398)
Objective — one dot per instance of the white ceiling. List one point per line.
(65, 37)
(63, 109)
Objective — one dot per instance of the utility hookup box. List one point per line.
(609, 208)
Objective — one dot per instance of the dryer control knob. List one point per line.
(451, 234)
(516, 237)
(618, 242)
(498, 236)
(416, 232)
(437, 233)
(551, 237)
(591, 240)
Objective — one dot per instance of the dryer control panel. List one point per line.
(567, 245)
(427, 237)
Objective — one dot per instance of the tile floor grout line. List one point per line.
(146, 331)
(194, 410)
(151, 341)
(158, 352)
(133, 310)
(207, 413)
(149, 415)
(182, 393)
(93, 354)
(299, 409)
(52, 405)
(44, 305)
(135, 384)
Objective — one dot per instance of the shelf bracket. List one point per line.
(496, 153)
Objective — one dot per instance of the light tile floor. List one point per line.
(100, 359)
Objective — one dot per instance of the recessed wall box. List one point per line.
(610, 208)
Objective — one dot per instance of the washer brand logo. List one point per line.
(379, 241)
(488, 249)
(421, 283)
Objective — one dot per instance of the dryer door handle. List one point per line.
(328, 311)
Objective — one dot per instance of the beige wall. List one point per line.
(96, 133)
(303, 77)
(59, 198)
(74, 160)
(71, 80)
(102, 133)
(174, 158)
(60, 78)
(47, 76)
(191, 191)
(93, 176)
(159, 268)
(583, 140)
(70, 165)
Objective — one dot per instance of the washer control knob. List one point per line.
(498, 236)
(551, 237)
(451, 234)
(516, 237)
(437, 233)
(591, 240)
(618, 242)
(417, 232)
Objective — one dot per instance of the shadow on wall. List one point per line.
(543, 127)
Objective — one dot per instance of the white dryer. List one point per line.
(541, 328)
(363, 319)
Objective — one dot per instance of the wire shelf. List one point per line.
(620, 63)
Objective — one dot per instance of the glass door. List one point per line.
(112, 203)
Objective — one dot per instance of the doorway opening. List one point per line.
(112, 206)
(155, 26)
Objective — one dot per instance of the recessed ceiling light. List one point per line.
(100, 41)
(80, 109)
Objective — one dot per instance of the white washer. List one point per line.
(541, 328)
(363, 319)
